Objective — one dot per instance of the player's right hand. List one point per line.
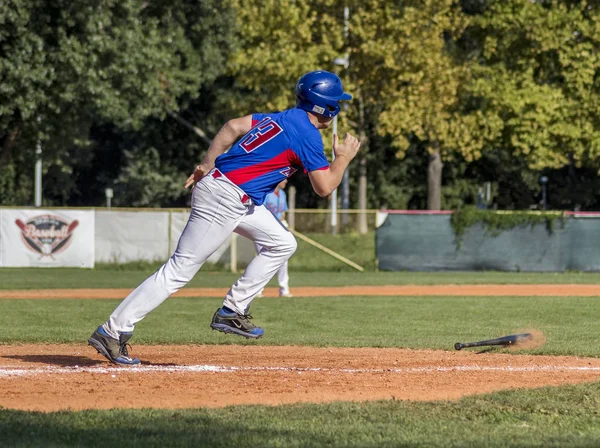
(199, 173)
(347, 149)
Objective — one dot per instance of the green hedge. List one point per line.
(495, 222)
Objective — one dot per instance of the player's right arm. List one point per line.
(225, 138)
(326, 180)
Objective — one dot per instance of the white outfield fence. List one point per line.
(63, 237)
(69, 237)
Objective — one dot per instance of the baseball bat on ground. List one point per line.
(505, 340)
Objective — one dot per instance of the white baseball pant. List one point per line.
(219, 208)
(283, 277)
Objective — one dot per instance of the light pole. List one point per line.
(345, 62)
(334, 193)
(38, 170)
(109, 195)
(337, 62)
(345, 188)
(544, 182)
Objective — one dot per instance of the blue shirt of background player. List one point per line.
(278, 145)
(276, 202)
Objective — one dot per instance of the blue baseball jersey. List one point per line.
(276, 202)
(278, 145)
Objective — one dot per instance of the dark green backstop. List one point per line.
(424, 242)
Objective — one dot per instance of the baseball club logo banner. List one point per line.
(46, 238)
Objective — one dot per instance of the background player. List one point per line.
(277, 204)
(230, 186)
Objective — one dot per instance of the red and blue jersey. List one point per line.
(278, 145)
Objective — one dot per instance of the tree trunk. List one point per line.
(6, 155)
(434, 180)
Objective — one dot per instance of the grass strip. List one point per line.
(569, 324)
(546, 417)
(39, 278)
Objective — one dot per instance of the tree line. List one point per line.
(448, 95)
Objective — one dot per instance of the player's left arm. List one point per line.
(225, 138)
(325, 177)
(324, 181)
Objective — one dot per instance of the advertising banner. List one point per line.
(47, 238)
(122, 236)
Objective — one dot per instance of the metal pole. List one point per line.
(109, 195)
(543, 181)
(38, 171)
(345, 197)
(233, 252)
(346, 19)
(291, 214)
(346, 178)
(544, 197)
(334, 193)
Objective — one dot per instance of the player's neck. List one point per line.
(318, 121)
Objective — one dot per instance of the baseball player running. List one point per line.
(247, 159)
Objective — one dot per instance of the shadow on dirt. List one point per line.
(76, 360)
(57, 360)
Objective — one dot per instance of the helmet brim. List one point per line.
(343, 97)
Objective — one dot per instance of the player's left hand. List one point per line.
(199, 173)
(347, 149)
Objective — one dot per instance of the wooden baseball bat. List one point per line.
(505, 340)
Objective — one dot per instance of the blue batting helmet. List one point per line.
(320, 92)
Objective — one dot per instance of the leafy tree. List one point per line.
(490, 91)
(280, 41)
(73, 64)
(403, 55)
(536, 69)
(275, 49)
(401, 72)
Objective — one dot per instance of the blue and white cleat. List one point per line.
(230, 322)
(115, 350)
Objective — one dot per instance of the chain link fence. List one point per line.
(320, 221)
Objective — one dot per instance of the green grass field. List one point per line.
(548, 417)
(562, 416)
(354, 321)
(110, 277)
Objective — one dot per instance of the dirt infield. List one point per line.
(58, 377)
(308, 291)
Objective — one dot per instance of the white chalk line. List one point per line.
(15, 371)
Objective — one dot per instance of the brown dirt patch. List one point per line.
(309, 291)
(55, 377)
